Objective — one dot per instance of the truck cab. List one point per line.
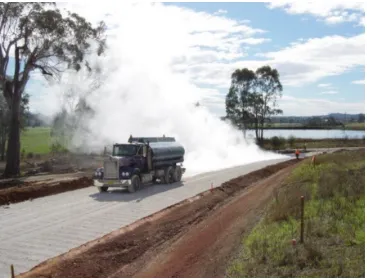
(142, 160)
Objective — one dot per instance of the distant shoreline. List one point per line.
(313, 128)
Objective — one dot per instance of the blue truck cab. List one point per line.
(141, 160)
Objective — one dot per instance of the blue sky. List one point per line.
(318, 49)
(285, 28)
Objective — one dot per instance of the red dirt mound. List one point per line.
(31, 190)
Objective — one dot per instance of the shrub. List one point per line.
(22, 154)
(277, 142)
(291, 141)
(58, 148)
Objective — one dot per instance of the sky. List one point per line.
(318, 48)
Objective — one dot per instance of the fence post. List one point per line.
(12, 271)
(302, 217)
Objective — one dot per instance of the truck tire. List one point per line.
(102, 189)
(168, 175)
(135, 184)
(177, 174)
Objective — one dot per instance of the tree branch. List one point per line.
(43, 70)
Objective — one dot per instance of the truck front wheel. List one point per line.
(168, 175)
(102, 189)
(135, 184)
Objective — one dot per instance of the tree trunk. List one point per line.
(13, 152)
(2, 146)
(261, 132)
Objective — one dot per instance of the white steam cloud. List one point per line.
(142, 95)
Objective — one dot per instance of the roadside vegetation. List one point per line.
(334, 216)
(355, 126)
(35, 141)
(299, 126)
(280, 143)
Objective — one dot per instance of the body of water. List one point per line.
(310, 134)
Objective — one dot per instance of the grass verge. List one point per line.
(36, 140)
(334, 223)
(312, 143)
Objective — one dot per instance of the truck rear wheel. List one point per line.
(168, 175)
(102, 189)
(177, 174)
(135, 184)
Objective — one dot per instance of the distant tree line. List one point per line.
(337, 117)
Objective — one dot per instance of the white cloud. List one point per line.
(324, 85)
(299, 64)
(220, 12)
(319, 57)
(329, 92)
(308, 107)
(362, 21)
(332, 12)
(305, 106)
(255, 41)
(358, 81)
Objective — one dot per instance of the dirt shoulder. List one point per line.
(49, 176)
(13, 191)
(194, 238)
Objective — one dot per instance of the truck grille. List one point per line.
(111, 170)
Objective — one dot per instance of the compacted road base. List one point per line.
(34, 231)
(194, 238)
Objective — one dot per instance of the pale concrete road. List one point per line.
(33, 231)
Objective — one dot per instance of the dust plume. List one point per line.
(138, 91)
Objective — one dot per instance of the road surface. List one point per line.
(33, 231)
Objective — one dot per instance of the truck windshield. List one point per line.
(124, 150)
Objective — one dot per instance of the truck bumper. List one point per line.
(112, 183)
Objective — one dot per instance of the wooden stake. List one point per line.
(302, 217)
(12, 271)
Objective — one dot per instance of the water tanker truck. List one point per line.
(141, 161)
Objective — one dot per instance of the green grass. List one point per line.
(355, 126)
(36, 140)
(284, 125)
(334, 223)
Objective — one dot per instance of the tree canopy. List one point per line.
(38, 37)
(252, 98)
